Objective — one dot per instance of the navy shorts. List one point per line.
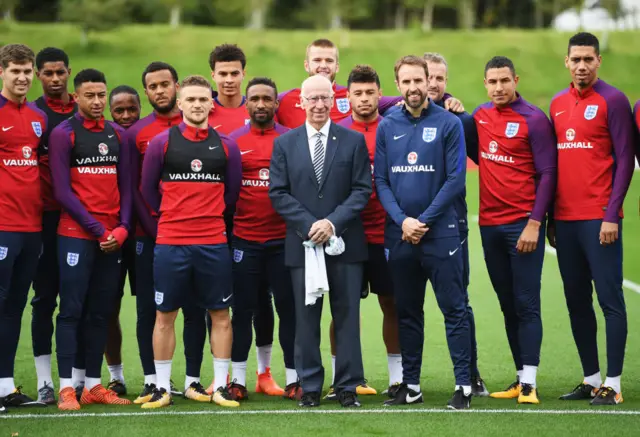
(202, 272)
(376, 272)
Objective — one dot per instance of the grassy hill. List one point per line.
(539, 56)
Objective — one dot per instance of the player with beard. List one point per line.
(422, 237)
(160, 81)
(52, 69)
(436, 90)
(258, 247)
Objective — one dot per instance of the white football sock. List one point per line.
(394, 362)
(116, 372)
(7, 386)
(163, 372)
(43, 370)
(239, 372)
(519, 373)
(150, 379)
(466, 389)
(333, 369)
(89, 383)
(65, 383)
(77, 376)
(292, 376)
(263, 353)
(414, 387)
(594, 380)
(220, 372)
(529, 375)
(613, 382)
(188, 380)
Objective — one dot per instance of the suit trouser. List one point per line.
(45, 285)
(466, 272)
(440, 262)
(88, 292)
(18, 263)
(345, 285)
(516, 280)
(582, 259)
(258, 267)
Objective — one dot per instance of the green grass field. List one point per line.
(538, 57)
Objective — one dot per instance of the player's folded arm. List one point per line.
(361, 189)
(288, 207)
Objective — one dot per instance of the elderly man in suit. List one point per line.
(320, 183)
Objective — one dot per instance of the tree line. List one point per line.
(424, 15)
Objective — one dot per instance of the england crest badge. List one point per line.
(512, 130)
(343, 105)
(139, 247)
(72, 259)
(3, 252)
(237, 255)
(429, 134)
(159, 297)
(590, 112)
(37, 128)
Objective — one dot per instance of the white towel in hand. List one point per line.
(315, 273)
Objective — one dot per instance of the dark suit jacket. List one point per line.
(341, 196)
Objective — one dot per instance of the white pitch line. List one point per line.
(320, 411)
(626, 283)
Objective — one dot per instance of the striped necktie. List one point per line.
(318, 157)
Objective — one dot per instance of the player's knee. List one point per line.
(220, 319)
(165, 321)
(387, 305)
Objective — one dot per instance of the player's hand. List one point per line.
(413, 230)
(528, 240)
(551, 234)
(608, 233)
(321, 231)
(454, 105)
(111, 245)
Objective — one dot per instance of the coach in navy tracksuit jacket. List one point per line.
(419, 170)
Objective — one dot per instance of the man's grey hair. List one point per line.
(315, 78)
(436, 58)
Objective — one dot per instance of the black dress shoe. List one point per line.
(348, 399)
(311, 399)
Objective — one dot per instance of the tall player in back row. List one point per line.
(594, 128)
(53, 71)
(517, 159)
(23, 125)
(200, 172)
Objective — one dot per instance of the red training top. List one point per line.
(226, 120)
(138, 137)
(200, 172)
(595, 152)
(517, 162)
(374, 215)
(21, 129)
(56, 112)
(255, 219)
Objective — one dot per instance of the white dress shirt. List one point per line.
(311, 137)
